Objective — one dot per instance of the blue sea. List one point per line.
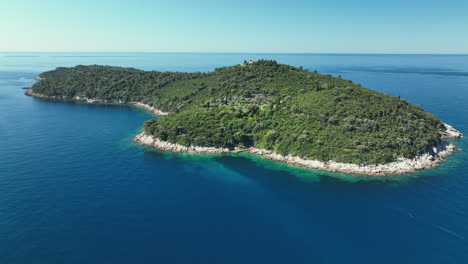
(74, 188)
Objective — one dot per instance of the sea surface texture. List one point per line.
(74, 188)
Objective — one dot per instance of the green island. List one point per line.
(279, 111)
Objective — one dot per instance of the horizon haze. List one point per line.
(298, 26)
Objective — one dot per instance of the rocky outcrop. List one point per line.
(156, 143)
(427, 160)
(93, 100)
(149, 108)
(451, 132)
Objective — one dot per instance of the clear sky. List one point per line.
(296, 26)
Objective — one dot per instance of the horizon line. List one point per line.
(220, 52)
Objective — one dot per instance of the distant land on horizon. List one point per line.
(233, 52)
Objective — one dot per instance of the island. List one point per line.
(280, 112)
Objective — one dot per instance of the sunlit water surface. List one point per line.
(74, 188)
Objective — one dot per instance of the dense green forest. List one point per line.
(263, 104)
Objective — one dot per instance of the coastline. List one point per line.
(428, 160)
(147, 107)
(451, 132)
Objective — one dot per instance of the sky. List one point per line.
(288, 26)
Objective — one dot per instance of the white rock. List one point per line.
(399, 166)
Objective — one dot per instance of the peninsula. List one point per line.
(278, 111)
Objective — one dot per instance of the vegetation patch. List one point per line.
(265, 105)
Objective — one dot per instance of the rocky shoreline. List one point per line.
(156, 143)
(92, 100)
(427, 160)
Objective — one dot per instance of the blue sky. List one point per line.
(296, 26)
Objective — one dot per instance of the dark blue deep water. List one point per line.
(74, 188)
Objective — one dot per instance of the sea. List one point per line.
(75, 188)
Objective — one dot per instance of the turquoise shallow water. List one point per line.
(74, 188)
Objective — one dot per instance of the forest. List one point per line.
(261, 104)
